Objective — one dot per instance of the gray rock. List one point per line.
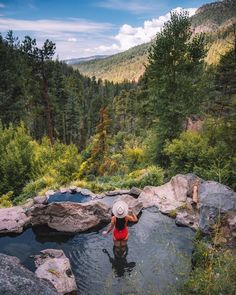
(49, 193)
(40, 200)
(215, 199)
(167, 197)
(135, 192)
(53, 266)
(187, 219)
(63, 190)
(135, 205)
(86, 192)
(70, 217)
(13, 220)
(15, 279)
(117, 193)
(73, 189)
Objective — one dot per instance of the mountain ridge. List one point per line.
(130, 64)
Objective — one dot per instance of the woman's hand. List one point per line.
(104, 233)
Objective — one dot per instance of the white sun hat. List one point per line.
(120, 209)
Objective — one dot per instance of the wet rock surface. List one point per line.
(53, 266)
(15, 279)
(70, 217)
(13, 220)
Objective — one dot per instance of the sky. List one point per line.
(82, 28)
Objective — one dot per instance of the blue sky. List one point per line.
(88, 27)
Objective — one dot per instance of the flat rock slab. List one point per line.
(15, 279)
(53, 266)
(13, 220)
(70, 217)
(167, 197)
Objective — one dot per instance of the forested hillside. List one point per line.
(128, 65)
(59, 126)
(214, 19)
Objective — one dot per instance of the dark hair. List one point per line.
(120, 223)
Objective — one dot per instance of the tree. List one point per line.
(174, 77)
(42, 69)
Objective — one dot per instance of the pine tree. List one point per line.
(174, 75)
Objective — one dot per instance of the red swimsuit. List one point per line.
(120, 234)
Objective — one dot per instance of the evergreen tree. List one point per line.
(174, 75)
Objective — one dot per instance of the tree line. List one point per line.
(120, 134)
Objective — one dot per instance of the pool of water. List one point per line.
(158, 259)
(68, 197)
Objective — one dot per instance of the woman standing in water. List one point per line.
(119, 224)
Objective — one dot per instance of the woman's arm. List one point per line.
(110, 227)
(132, 217)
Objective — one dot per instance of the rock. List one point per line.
(63, 190)
(15, 279)
(29, 203)
(187, 219)
(117, 192)
(167, 197)
(70, 217)
(134, 205)
(73, 189)
(135, 192)
(87, 192)
(215, 199)
(13, 220)
(40, 200)
(53, 266)
(49, 193)
(232, 224)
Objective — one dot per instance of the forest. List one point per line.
(59, 127)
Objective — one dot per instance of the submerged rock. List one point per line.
(53, 266)
(13, 220)
(15, 279)
(70, 217)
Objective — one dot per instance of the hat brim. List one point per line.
(120, 204)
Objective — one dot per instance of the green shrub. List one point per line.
(5, 200)
(214, 272)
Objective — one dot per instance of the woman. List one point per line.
(119, 223)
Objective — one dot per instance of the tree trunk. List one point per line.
(47, 109)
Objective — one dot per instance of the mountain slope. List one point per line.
(127, 65)
(214, 19)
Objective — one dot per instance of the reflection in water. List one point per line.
(119, 262)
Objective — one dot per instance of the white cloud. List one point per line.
(72, 40)
(75, 25)
(2, 5)
(133, 6)
(129, 36)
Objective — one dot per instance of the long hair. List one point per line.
(120, 223)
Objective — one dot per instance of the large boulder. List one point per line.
(215, 200)
(15, 279)
(135, 205)
(70, 217)
(13, 220)
(167, 197)
(53, 266)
